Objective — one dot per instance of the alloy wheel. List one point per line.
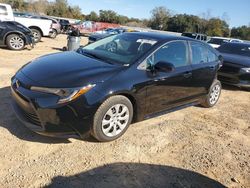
(215, 94)
(16, 42)
(115, 120)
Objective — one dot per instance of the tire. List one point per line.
(213, 95)
(53, 34)
(15, 42)
(112, 118)
(37, 35)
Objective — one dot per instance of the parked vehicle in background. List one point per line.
(14, 35)
(88, 27)
(105, 33)
(197, 36)
(65, 25)
(55, 27)
(236, 66)
(216, 42)
(22, 14)
(38, 27)
(113, 82)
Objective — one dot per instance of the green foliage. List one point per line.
(242, 32)
(93, 16)
(108, 16)
(217, 27)
(159, 19)
(184, 23)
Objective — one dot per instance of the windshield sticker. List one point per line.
(152, 42)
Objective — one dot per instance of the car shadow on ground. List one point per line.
(135, 175)
(9, 121)
(59, 49)
(26, 48)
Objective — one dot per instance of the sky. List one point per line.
(235, 12)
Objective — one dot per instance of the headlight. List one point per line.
(66, 94)
(247, 70)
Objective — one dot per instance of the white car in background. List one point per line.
(39, 27)
(216, 42)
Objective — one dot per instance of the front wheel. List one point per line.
(15, 42)
(213, 95)
(112, 118)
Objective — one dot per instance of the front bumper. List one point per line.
(69, 120)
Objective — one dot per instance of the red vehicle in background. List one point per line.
(88, 27)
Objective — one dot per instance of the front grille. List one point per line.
(32, 117)
(24, 105)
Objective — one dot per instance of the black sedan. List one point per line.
(236, 66)
(15, 35)
(103, 87)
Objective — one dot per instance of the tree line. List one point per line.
(161, 18)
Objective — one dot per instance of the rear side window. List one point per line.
(3, 11)
(199, 53)
(173, 52)
(202, 54)
(212, 56)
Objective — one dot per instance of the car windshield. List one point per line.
(217, 41)
(123, 48)
(236, 49)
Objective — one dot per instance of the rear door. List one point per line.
(204, 64)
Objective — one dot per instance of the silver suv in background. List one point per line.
(197, 36)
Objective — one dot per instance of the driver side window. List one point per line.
(172, 52)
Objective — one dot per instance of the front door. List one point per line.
(168, 89)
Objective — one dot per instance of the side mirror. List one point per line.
(220, 60)
(164, 66)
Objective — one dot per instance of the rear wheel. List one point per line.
(213, 96)
(15, 42)
(53, 34)
(37, 35)
(112, 118)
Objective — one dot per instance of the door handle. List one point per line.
(187, 74)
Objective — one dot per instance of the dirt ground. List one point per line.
(193, 147)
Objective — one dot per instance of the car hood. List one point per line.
(98, 35)
(243, 61)
(17, 26)
(67, 69)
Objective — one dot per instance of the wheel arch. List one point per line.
(131, 98)
(13, 32)
(38, 28)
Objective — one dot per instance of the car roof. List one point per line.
(220, 38)
(160, 36)
(243, 44)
